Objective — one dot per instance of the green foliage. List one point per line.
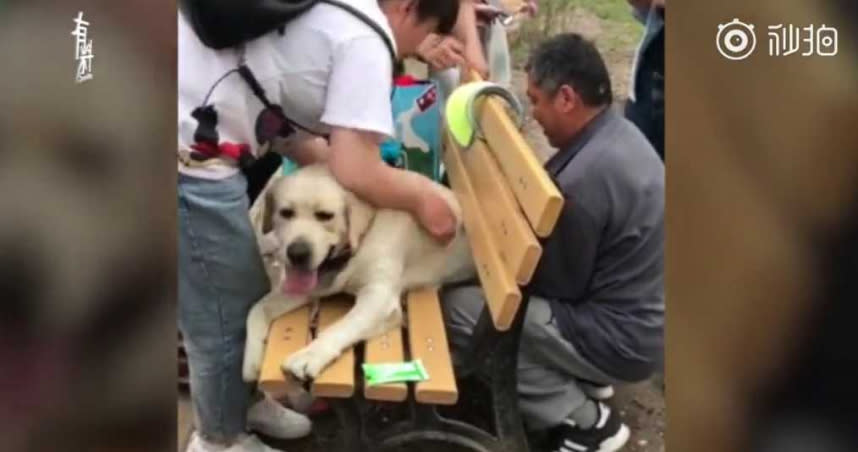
(608, 22)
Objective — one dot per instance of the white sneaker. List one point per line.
(246, 443)
(272, 419)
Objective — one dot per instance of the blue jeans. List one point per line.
(221, 276)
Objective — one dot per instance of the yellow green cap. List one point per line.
(460, 115)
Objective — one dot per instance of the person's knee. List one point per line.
(463, 305)
(537, 320)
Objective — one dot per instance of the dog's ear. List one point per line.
(359, 216)
(268, 243)
(268, 212)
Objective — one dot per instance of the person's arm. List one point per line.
(569, 253)
(579, 233)
(466, 32)
(355, 162)
(358, 109)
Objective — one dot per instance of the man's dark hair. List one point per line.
(569, 59)
(446, 11)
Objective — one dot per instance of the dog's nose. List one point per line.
(299, 253)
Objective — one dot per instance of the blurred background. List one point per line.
(87, 241)
(762, 195)
(762, 245)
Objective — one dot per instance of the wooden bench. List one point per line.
(508, 202)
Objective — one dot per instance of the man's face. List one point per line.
(548, 112)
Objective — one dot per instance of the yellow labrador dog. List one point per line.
(323, 240)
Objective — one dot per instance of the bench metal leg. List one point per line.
(426, 426)
(349, 437)
(499, 370)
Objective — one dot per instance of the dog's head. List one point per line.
(317, 224)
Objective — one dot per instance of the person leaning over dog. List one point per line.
(332, 74)
(596, 311)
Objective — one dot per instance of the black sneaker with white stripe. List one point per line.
(608, 435)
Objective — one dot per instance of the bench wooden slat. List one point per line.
(287, 335)
(518, 247)
(338, 379)
(502, 294)
(537, 195)
(428, 342)
(386, 348)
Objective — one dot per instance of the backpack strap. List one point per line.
(369, 22)
(246, 74)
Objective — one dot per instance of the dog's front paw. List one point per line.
(309, 362)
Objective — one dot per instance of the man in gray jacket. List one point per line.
(596, 313)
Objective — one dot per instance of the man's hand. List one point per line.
(436, 217)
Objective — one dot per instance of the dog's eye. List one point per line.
(287, 213)
(321, 215)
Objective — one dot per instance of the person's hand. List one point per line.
(441, 52)
(436, 216)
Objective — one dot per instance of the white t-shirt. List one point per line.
(328, 69)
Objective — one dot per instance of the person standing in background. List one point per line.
(645, 107)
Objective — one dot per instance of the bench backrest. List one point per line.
(508, 201)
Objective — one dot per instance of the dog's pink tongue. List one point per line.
(299, 282)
